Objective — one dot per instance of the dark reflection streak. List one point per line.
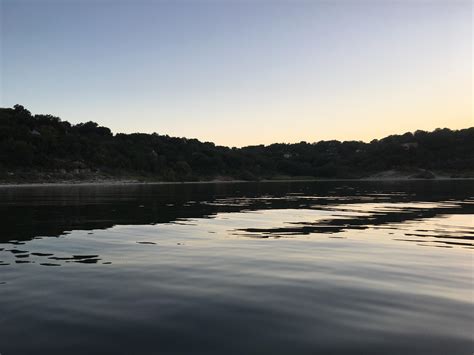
(452, 243)
(22, 255)
(87, 261)
(433, 245)
(440, 236)
(42, 254)
(17, 251)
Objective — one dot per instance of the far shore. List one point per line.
(119, 182)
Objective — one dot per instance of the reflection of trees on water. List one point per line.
(52, 211)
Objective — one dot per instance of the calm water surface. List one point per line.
(269, 268)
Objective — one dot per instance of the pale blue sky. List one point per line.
(242, 72)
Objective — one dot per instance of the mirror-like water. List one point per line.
(240, 268)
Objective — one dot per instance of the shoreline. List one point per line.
(136, 182)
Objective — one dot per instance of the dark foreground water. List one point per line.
(275, 268)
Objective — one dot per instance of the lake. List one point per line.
(238, 268)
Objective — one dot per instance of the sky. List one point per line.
(242, 72)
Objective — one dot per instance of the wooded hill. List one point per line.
(43, 147)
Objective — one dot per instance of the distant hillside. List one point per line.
(45, 148)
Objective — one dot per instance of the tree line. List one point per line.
(46, 144)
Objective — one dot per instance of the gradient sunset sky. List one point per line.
(242, 72)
